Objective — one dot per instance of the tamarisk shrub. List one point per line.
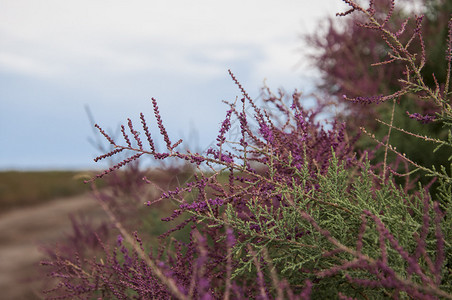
(347, 57)
(288, 209)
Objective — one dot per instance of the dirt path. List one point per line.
(21, 233)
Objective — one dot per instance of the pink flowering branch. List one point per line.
(401, 53)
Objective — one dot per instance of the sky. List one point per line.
(60, 59)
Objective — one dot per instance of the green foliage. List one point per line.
(337, 206)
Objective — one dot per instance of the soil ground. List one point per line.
(23, 231)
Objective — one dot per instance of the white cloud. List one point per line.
(50, 37)
(28, 65)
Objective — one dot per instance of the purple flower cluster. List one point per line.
(224, 128)
(424, 119)
(160, 124)
(365, 100)
(201, 206)
(226, 158)
(266, 132)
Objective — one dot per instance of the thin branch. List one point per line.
(169, 282)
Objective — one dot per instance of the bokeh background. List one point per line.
(60, 59)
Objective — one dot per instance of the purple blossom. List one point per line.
(243, 128)
(224, 128)
(160, 124)
(366, 100)
(266, 132)
(424, 119)
(227, 158)
(201, 206)
(119, 240)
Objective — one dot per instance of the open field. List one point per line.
(25, 189)
(24, 231)
(35, 210)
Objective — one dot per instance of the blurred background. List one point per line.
(61, 59)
